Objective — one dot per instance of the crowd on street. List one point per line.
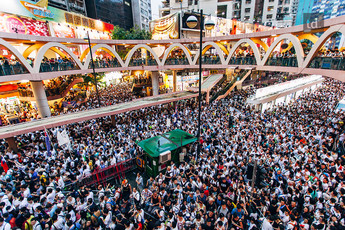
(297, 149)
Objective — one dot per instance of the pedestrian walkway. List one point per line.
(32, 126)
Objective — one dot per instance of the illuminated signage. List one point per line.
(39, 9)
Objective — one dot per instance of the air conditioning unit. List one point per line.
(164, 157)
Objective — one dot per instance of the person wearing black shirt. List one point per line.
(208, 225)
(224, 185)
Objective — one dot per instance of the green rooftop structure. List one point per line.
(162, 149)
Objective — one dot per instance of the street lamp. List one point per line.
(87, 38)
(192, 22)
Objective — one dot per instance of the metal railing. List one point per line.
(103, 176)
(282, 61)
(334, 63)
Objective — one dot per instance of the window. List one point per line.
(286, 10)
(190, 2)
(248, 1)
(287, 1)
(221, 11)
(270, 8)
(269, 16)
(196, 2)
(247, 10)
(270, 0)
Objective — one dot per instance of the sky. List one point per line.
(155, 8)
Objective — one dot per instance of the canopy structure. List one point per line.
(169, 141)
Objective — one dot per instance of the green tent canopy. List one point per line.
(169, 141)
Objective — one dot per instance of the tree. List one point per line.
(89, 80)
(119, 33)
(134, 33)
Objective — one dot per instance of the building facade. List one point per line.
(324, 8)
(77, 6)
(278, 13)
(116, 12)
(142, 14)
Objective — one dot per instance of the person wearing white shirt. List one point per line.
(108, 216)
(35, 224)
(51, 195)
(266, 224)
(4, 225)
(61, 183)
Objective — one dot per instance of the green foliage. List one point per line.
(134, 33)
(90, 80)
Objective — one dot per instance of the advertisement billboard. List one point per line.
(63, 31)
(165, 28)
(63, 23)
(21, 25)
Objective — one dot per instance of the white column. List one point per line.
(155, 82)
(40, 98)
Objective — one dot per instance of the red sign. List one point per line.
(13, 24)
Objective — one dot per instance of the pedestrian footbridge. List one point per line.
(51, 122)
(261, 48)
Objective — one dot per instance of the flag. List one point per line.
(4, 164)
(47, 143)
(62, 138)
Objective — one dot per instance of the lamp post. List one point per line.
(93, 69)
(192, 22)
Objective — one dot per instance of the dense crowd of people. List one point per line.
(52, 87)
(243, 56)
(109, 95)
(300, 184)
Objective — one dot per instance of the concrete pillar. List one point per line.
(40, 98)
(12, 144)
(155, 82)
(174, 81)
(113, 120)
(208, 97)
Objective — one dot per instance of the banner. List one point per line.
(165, 28)
(62, 138)
(21, 25)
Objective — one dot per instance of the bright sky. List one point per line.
(155, 8)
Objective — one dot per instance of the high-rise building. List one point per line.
(278, 13)
(116, 12)
(77, 6)
(325, 8)
(142, 14)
